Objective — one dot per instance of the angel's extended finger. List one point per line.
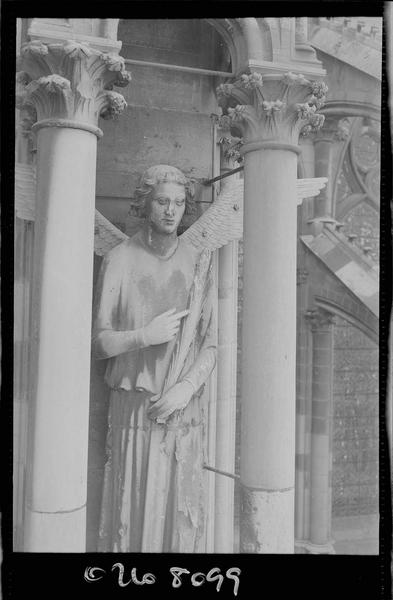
(167, 312)
(154, 398)
(164, 414)
(173, 328)
(154, 415)
(180, 314)
(157, 405)
(163, 418)
(173, 335)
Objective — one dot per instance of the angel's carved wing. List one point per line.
(222, 222)
(106, 235)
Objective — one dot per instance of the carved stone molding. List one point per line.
(272, 108)
(319, 319)
(72, 82)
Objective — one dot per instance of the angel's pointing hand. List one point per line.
(176, 398)
(164, 327)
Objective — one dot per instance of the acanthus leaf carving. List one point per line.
(123, 79)
(114, 62)
(36, 48)
(273, 105)
(53, 84)
(230, 145)
(113, 105)
(70, 80)
(77, 50)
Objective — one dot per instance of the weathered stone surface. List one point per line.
(265, 519)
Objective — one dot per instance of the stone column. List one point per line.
(321, 323)
(301, 30)
(303, 414)
(226, 373)
(328, 145)
(270, 113)
(68, 84)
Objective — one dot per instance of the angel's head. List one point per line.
(164, 195)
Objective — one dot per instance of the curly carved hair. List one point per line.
(152, 177)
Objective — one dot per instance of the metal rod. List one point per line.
(225, 473)
(210, 181)
(144, 63)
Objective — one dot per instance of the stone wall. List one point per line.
(355, 423)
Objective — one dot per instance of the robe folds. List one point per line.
(154, 482)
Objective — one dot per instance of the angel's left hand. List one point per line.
(176, 398)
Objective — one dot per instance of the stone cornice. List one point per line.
(273, 108)
(50, 33)
(70, 81)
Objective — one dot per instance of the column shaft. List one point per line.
(268, 352)
(320, 509)
(226, 396)
(303, 414)
(270, 111)
(65, 86)
(64, 234)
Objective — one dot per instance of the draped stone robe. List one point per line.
(154, 484)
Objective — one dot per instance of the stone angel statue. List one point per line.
(154, 322)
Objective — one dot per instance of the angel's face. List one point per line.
(166, 207)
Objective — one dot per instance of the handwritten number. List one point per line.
(176, 572)
(194, 579)
(197, 579)
(214, 575)
(235, 578)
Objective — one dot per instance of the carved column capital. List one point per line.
(272, 110)
(230, 145)
(70, 84)
(319, 319)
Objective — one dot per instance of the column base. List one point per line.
(307, 547)
(267, 521)
(55, 532)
